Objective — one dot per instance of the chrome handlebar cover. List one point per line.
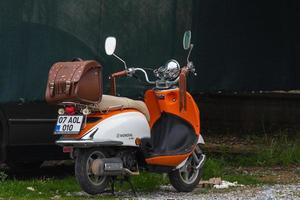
(160, 83)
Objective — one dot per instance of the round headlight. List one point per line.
(169, 71)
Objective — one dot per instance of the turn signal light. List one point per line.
(138, 141)
(61, 111)
(86, 111)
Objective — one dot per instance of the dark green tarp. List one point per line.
(239, 45)
(36, 33)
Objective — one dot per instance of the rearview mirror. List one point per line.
(110, 45)
(187, 39)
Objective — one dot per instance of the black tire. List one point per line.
(179, 182)
(82, 172)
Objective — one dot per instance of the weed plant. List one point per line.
(3, 176)
(276, 151)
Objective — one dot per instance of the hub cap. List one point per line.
(94, 179)
(188, 172)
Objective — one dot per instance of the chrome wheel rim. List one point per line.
(94, 179)
(188, 173)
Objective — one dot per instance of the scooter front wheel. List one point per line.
(186, 178)
(89, 182)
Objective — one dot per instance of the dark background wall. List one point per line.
(246, 45)
(240, 46)
(242, 50)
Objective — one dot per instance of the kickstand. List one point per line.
(112, 187)
(127, 178)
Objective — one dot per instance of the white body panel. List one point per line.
(200, 140)
(124, 127)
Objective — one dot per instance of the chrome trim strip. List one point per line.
(87, 143)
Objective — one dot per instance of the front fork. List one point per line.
(199, 157)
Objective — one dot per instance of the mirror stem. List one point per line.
(188, 57)
(121, 60)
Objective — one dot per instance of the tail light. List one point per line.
(70, 110)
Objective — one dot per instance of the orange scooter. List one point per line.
(120, 136)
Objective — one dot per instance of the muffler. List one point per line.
(110, 167)
(107, 166)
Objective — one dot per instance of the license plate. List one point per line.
(68, 124)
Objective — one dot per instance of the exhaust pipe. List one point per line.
(110, 167)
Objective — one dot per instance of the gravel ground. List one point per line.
(265, 192)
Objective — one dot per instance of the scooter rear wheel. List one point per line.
(186, 178)
(89, 182)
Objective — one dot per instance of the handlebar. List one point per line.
(190, 68)
(132, 71)
(113, 88)
(181, 79)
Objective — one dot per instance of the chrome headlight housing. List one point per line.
(170, 71)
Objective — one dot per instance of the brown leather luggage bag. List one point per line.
(79, 81)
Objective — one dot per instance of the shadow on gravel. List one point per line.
(49, 169)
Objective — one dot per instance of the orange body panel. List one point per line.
(157, 102)
(167, 160)
(102, 117)
(168, 101)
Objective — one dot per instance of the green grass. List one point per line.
(62, 188)
(149, 181)
(44, 188)
(276, 151)
(218, 168)
(213, 168)
(242, 179)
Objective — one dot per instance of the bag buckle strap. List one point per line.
(51, 86)
(68, 86)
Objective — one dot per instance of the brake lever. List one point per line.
(191, 68)
(130, 71)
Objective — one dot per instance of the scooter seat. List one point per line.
(110, 102)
